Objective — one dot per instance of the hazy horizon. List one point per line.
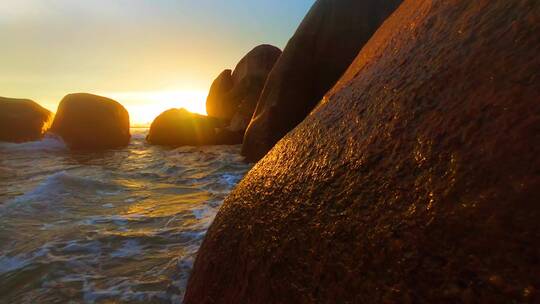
(148, 55)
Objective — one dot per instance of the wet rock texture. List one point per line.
(22, 120)
(233, 96)
(178, 127)
(322, 48)
(86, 121)
(415, 181)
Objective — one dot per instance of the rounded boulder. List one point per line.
(179, 127)
(416, 180)
(234, 95)
(86, 121)
(22, 120)
(324, 45)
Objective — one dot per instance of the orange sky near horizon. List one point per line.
(145, 106)
(148, 55)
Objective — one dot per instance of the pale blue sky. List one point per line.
(54, 47)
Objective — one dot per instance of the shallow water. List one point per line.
(106, 227)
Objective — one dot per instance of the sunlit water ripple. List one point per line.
(101, 227)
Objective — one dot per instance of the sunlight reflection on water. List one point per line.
(120, 225)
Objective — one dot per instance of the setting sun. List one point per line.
(143, 107)
(233, 151)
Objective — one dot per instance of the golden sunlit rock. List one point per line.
(87, 121)
(178, 127)
(234, 94)
(416, 181)
(322, 48)
(216, 104)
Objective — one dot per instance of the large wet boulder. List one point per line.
(415, 181)
(322, 48)
(86, 121)
(22, 120)
(179, 127)
(233, 95)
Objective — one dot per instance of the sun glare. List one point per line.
(143, 107)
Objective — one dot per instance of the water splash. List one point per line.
(120, 225)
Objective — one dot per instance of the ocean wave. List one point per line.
(119, 226)
(49, 143)
(129, 248)
(13, 263)
(138, 136)
(206, 155)
(63, 184)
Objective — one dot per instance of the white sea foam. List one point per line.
(13, 263)
(130, 248)
(65, 184)
(48, 143)
(8, 264)
(119, 226)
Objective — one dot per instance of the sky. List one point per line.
(150, 55)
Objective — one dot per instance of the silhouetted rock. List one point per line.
(415, 181)
(22, 120)
(233, 97)
(322, 48)
(88, 121)
(216, 105)
(178, 127)
(225, 136)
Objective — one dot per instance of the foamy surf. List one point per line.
(117, 226)
(48, 144)
(63, 183)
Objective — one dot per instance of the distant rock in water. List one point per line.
(415, 181)
(233, 95)
(178, 127)
(22, 120)
(86, 121)
(322, 48)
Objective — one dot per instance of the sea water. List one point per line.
(118, 226)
